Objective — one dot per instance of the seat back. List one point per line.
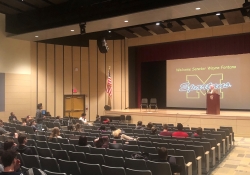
(144, 101)
(145, 143)
(69, 167)
(189, 156)
(131, 147)
(55, 146)
(128, 154)
(95, 159)
(137, 172)
(181, 162)
(90, 169)
(77, 156)
(41, 138)
(135, 164)
(114, 161)
(60, 154)
(84, 149)
(159, 168)
(115, 146)
(31, 161)
(53, 173)
(68, 147)
(42, 144)
(49, 164)
(94, 150)
(115, 152)
(31, 142)
(153, 101)
(63, 140)
(106, 170)
(44, 152)
(146, 149)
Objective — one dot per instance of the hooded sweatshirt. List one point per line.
(24, 149)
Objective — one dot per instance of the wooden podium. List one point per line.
(213, 104)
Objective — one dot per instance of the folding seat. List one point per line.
(171, 151)
(77, 156)
(177, 146)
(69, 167)
(44, 152)
(153, 157)
(29, 130)
(60, 154)
(42, 144)
(131, 124)
(225, 141)
(33, 150)
(131, 148)
(115, 152)
(172, 141)
(128, 154)
(114, 161)
(145, 139)
(40, 133)
(53, 140)
(95, 159)
(49, 164)
(146, 149)
(84, 149)
(186, 168)
(90, 169)
(91, 143)
(115, 146)
(207, 147)
(159, 140)
(228, 137)
(66, 132)
(159, 145)
(94, 150)
(74, 141)
(31, 161)
(41, 138)
(230, 131)
(115, 140)
(159, 168)
(145, 143)
(135, 164)
(53, 173)
(31, 136)
(68, 135)
(138, 131)
(107, 170)
(137, 172)
(130, 142)
(63, 140)
(31, 142)
(68, 147)
(55, 146)
(128, 130)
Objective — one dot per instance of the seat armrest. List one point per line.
(213, 156)
(207, 161)
(223, 146)
(189, 168)
(219, 154)
(199, 164)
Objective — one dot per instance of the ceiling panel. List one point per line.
(141, 31)
(58, 1)
(176, 26)
(6, 10)
(192, 23)
(156, 29)
(126, 33)
(17, 4)
(234, 17)
(230, 4)
(212, 20)
(38, 3)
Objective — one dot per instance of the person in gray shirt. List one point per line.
(39, 116)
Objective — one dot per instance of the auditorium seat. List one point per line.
(114, 161)
(115, 146)
(77, 156)
(63, 140)
(131, 148)
(69, 167)
(56, 146)
(68, 147)
(136, 164)
(84, 149)
(146, 149)
(128, 154)
(60, 154)
(145, 143)
(95, 159)
(31, 161)
(159, 168)
(44, 152)
(137, 172)
(49, 164)
(115, 152)
(41, 138)
(53, 173)
(107, 170)
(94, 150)
(90, 169)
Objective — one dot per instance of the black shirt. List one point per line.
(24, 149)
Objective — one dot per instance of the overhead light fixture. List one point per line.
(157, 24)
(126, 21)
(198, 8)
(72, 30)
(36, 36)
(82, 28)
(218, 14)
(109, 31)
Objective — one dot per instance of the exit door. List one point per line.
(74, 105)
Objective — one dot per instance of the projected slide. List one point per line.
(189, 79)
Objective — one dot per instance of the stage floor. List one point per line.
(239, 120)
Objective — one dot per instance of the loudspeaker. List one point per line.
(102, 45)
(107, 108)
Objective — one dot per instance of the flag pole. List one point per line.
(109, 97)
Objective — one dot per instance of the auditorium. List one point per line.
(101, 87)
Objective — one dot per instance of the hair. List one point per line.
(78, 127)
(150, 125)
(58, 117)
(8, 144)
(139, 123)
(102, 128)
(39, 105)
(31, 122)
(11, 113)
(165, 126)
(179, 127)
(83, 115)
(55, 132)
(116, 133)
(97, 116)
(28, 116)
(153, 130)
(162, 153)
(21, 138)
(1, 123)
(82, 141)
(112, 128)
(199, 131)
(8, 157)
(71, 127)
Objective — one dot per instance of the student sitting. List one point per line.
(198, 133)
(180, 133)
(102, 142)
(117, 134)
(139, 125)
(153, 131)
(165, 131)
(149, 126)
(22, 148)
(11, 163)
(55, 133)
(83, 141)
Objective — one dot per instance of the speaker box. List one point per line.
(102, 45)
(107, 108)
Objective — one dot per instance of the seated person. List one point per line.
(22, 148)
(112, 128)
(102, 128)
(98, 119)
(71, 127)
(139, 125)
(165, 131)
(198, 133)
(180, 133)
(117, 134)
(9, 145)
(78, 127)
(11, 163)
(33, 125)
(149, 126)
(27, 120)
(153, 131)
(83, 141)
(55, 133)
(106, 121)
(102, 142)
(57, 120)
(2, 130)
(12, 117)
(163, 157)
(83, 118)
(24, 123)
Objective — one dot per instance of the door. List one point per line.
(74, 105)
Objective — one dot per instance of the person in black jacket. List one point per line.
(22, 148)
(12, 117)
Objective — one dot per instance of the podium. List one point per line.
(213, 104)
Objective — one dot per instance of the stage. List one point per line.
(239, 120)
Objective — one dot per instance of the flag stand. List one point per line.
(109, 88)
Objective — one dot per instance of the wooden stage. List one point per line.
(239, 120)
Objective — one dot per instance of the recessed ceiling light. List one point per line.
(198, 8)
(72, 30)
(36, 36)
(157, 24)
(109, 31)
(218, 14)
(126, 21)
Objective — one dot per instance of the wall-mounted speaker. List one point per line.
(107, 108)
(102, 45)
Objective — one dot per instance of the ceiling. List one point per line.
(141, 23)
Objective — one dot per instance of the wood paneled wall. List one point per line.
(57, 69)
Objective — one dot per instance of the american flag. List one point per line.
(109, 85)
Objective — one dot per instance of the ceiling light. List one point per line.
(126, 21)
(109, 31)
(198, 8)
(72, 30)
(157, 24)
(36, 36)
(218, 14)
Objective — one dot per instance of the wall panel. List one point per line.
(59, 80)
(33, 78)
(101, 83)
(76, 69)
(41, 71)
(50, 79)
(85, 76)
(68, 81)
(93, 83)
